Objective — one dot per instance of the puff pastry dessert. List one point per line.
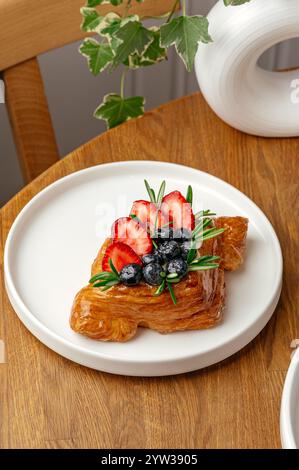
(163, 268)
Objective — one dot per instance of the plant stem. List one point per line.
(122, 83)
(172, 11)
(184, 7)
(128, 6)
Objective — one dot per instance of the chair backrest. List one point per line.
(29, 28)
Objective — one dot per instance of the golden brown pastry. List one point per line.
(234, 240)
(115, 314)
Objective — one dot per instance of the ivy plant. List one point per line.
(124, 41)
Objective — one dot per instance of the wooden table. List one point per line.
(48, 401)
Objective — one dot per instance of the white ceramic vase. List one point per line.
(241, 93)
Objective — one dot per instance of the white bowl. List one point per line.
(289, 412)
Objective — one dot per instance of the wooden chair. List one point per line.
(29, 28)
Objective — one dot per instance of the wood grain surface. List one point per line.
(48, 401)
(31, 27)
(30, 119)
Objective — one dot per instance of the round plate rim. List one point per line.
(288, 438)
(26, 316)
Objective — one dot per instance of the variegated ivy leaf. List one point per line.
(115, 109)
(95, 3)
(134, 37)
(91, 19)
(98, 55)
(114, 2)
(185, 32)
(152, 54)
(110, 24)
(235, 2)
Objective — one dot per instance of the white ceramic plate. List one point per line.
(55, 238)
(289, 412)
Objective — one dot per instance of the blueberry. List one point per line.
(131, 274)
(169, 250)
(185, 247)
(159, 257)
(151, 258)
(182, 235)
(163, 234)
(152, 274)
(178, 266)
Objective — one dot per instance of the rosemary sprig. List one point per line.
(205, 259)
(203, 223)
(151, 192)
(206, 222)
(154, 243)
(171, 291)
(204, 213)
(161, 194)
(199, 228)
(160, 288)
(113, 268)
(152, 195)
(211, 233)
(172, 275)
(170, 279)
(156, 200)
(106, 279)
(104, 275)
(191, 254)
(106, 284)
(189, 196)
(204, 267)
(159, 202)
(203, 231)
(203, 263)
(173, 278)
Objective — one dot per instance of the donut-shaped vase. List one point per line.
(249, 98)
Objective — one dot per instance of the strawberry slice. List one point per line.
(127, 230)
(147, 214)
(142, 210)
(178, 210)
(121, 255)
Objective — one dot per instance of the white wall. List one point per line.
(73, 93)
